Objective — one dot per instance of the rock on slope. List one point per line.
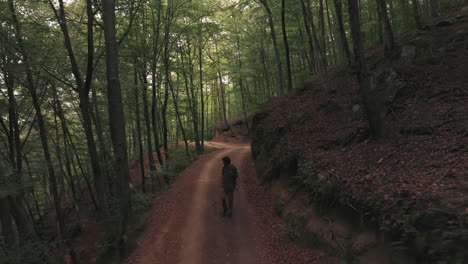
(236, 129)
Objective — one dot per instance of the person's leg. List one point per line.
(230, 202)
(225, 203)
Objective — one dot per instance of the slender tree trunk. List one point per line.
(116, 116)
(343, 39)
(166, 61)
(103, 146)
(202, 102)
(323, 36)
(286, 45)
(42, 133)
(434, 7)
(191, 101)
(405, 13)
(154, 86)
(388, 32)
(279, 64)
(141, 157)
(312, 65)
(59, 113)
(16, 206)
(380, 23)
(176, 107)
(241, 86)
(154, 116)
(7, 223)
(371, 105)
(83, 89)
(309, 21)
(332, 32)
(265, 69)
(222, 97)
(149, 143)
(416, 15)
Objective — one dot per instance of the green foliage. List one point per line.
(141, 202)
(179, 161)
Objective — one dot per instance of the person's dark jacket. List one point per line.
(229, 178)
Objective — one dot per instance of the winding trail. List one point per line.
(186, 226)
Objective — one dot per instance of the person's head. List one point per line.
(226, 160)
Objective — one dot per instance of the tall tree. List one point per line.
(156, 51)
(371, 104)
(31, 85)
(341, 29)
(416, 15)
(286, 45)
(279, 65)
(116, 116)
(139, 138)
(388, 32)
(83, 89)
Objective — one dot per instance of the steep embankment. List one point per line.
(397, 200)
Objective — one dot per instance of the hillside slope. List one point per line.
(411, 186)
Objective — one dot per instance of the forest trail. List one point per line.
(185, 225)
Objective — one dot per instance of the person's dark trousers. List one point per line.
(228, 203)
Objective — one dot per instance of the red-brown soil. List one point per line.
(185, 225)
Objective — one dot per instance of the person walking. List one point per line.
(229, 182)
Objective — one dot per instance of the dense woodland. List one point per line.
(87, 85)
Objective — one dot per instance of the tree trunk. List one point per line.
(312, 65)
(286, 45)
(380, 23)
(59, 113)
(149, 143)
(241, 86)
(15, 146)
(167, 77)
(202, 102)
(279, 64)
(7, 223)
(83, 89)
(42, 133)
(371, 105)
(343, 39)
(176, 107)
(388, 32)
(116, 117)
(331, 32)
(141, 157)
(322, 34)
(154, 86)
(416, 15)
(434, 7)
(103, 145)
(266, 72)
(190, 92)
(154, 116)
(309, 21)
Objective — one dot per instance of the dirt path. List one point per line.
(186, 226)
